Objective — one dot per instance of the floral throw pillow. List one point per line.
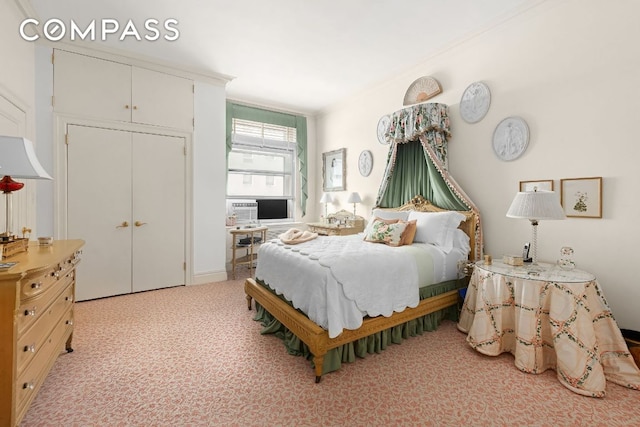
(389, 233)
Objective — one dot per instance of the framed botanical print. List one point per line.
(546, 185)
(581, 197)
(333, 170)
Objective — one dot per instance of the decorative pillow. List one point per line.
(388, 232)
(370, 224)
(409, 232)
(388, 215)
(436, 228)
(369, 227)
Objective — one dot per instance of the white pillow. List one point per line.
(461, 240)
(385, 214)
(436, 228)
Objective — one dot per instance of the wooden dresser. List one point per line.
(36, 321)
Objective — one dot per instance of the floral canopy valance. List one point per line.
(428, 122)
(417, 162)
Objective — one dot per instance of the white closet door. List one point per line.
(98, 205)
(161, 99)
(158, 211)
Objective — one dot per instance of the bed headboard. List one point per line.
(469, 225)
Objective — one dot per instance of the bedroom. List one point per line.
(575, 87)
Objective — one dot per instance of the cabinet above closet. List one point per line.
(107, 90)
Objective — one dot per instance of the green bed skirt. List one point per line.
(375, 343)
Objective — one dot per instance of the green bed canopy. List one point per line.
(417, 162)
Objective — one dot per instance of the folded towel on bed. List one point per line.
(294, 236)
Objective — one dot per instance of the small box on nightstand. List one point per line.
(514, 260)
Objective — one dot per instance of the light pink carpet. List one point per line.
(194, 356)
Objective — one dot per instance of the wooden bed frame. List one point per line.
(317, 338)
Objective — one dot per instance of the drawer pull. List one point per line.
(31, 312)
(55, 274)
(29, 385)
(36, 285)
(69, 322)
(68, 298)
(30, 348)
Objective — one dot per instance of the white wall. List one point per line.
(17, 70)
(569, 68)
(17, 96)
(209, 177)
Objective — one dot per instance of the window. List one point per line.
(261, 163)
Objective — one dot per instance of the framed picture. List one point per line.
(546, 185)
(581, 197)
(333, 170)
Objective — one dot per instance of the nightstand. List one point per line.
(548, 318)
(248, 240)
(341, 223)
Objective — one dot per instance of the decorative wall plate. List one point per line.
(510, 138)
(365, 162)
(383, 127)
(475, 102)
(422, 89)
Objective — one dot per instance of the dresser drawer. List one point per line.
(30, 380)
(33, 308)
(33, 339)
(38, 282)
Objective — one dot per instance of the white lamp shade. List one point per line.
(18, 159)
(326, 198)
(538, 205)
(354, 198)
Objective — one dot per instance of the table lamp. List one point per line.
(18, 160)
(326, 199)
(535, 206)
(354, 198)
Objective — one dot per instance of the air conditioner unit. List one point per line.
(245, 211)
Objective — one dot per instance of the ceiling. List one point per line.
(294, 55)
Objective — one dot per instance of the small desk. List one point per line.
(549, 319)
(251, 253)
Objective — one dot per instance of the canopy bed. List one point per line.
(337, 318)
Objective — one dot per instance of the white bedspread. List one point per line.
(337, 281)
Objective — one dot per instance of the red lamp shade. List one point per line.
(8, 185)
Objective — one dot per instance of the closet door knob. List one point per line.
(126, 106)
(139, 224)
(124, 224)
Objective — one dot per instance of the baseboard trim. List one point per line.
(214, 276)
